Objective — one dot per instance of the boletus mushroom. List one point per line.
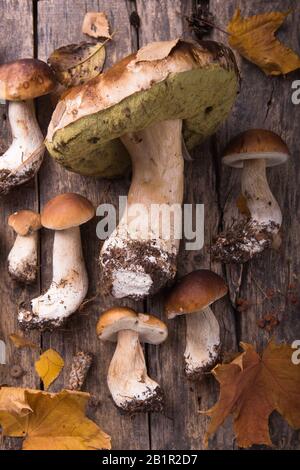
(23, 257)
(147, 102)
(20, 82)
(64, 214)
(130, 386)
(253, 151)
(192, 296)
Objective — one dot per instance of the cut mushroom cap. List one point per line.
(64, 214)
(20, 82)
(192, 296)
(23, 257)
(147, 101)
(253, 151)
(130, 386)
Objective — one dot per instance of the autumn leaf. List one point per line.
(95, 24)
(49, 367)
(254, 38)
(77, 63)
(21, 342)
(12, 400)
(56, 421)
(252, 387)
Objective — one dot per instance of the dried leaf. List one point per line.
(12, 401)
(56, 421)
(252, 387)
(77, 63)
(155, 51)
(21, 342)
(254, 38)
(49, 367)
(95, 24)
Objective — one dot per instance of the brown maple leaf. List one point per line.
(254, 38)
(252, 387)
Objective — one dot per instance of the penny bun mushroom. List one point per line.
(20, 82)
(23, 257)
(148, 102)
(130, 386)
(253, 151)
(192, 296)
(64, 214)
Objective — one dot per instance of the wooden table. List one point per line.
(33, 29)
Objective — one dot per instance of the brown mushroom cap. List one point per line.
(194, 292)
(150, 328)
(254, 144)
(67, 210)
(25, 79)
(24, 222)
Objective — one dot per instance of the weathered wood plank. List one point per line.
(16, 41)
(181, 426)
(59, 23)
(265, 102)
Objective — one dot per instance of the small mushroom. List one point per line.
(23, 257)
(192, 296)
(128, 381)
(64, 214)
(20, 82)
(149, 102)
(253, 151)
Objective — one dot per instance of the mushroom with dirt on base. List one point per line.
(147, 103)
(20, 82)
(64, 214)
(23, 257)
(130, 386)
(192, 296)
(253, 151)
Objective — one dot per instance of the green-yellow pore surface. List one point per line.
(202, 97)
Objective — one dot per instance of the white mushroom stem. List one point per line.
(69, 283)
(148, 241)
(202, 342)
(128, 381)
(27, 138)
(23, 258)
(261, 203)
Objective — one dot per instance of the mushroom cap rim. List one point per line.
(235, 160)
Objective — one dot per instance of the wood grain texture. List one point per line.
(263, 102)
(15, 22)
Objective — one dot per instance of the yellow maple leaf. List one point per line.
(22, 342)
(49, 367)
(56, 421)
(252, 387)
(254, 38)
(12, 400)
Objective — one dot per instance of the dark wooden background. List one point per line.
(30, 28)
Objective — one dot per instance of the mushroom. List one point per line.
(20, 82)
(23, 257)
(64, 214)
(253, 151)
(192, 296)
(130, 386)
(147, 101)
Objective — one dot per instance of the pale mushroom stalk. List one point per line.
(261, 203)
(202, 343)
(69, 283)
(27, 138)
(128, 381)
(23, 258)
(157, 163)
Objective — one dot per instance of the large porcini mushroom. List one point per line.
(23, 257)
(20, 82)
(64, 214)
(192, 296)
(253, 151)
(147, 101)
(128, 381)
